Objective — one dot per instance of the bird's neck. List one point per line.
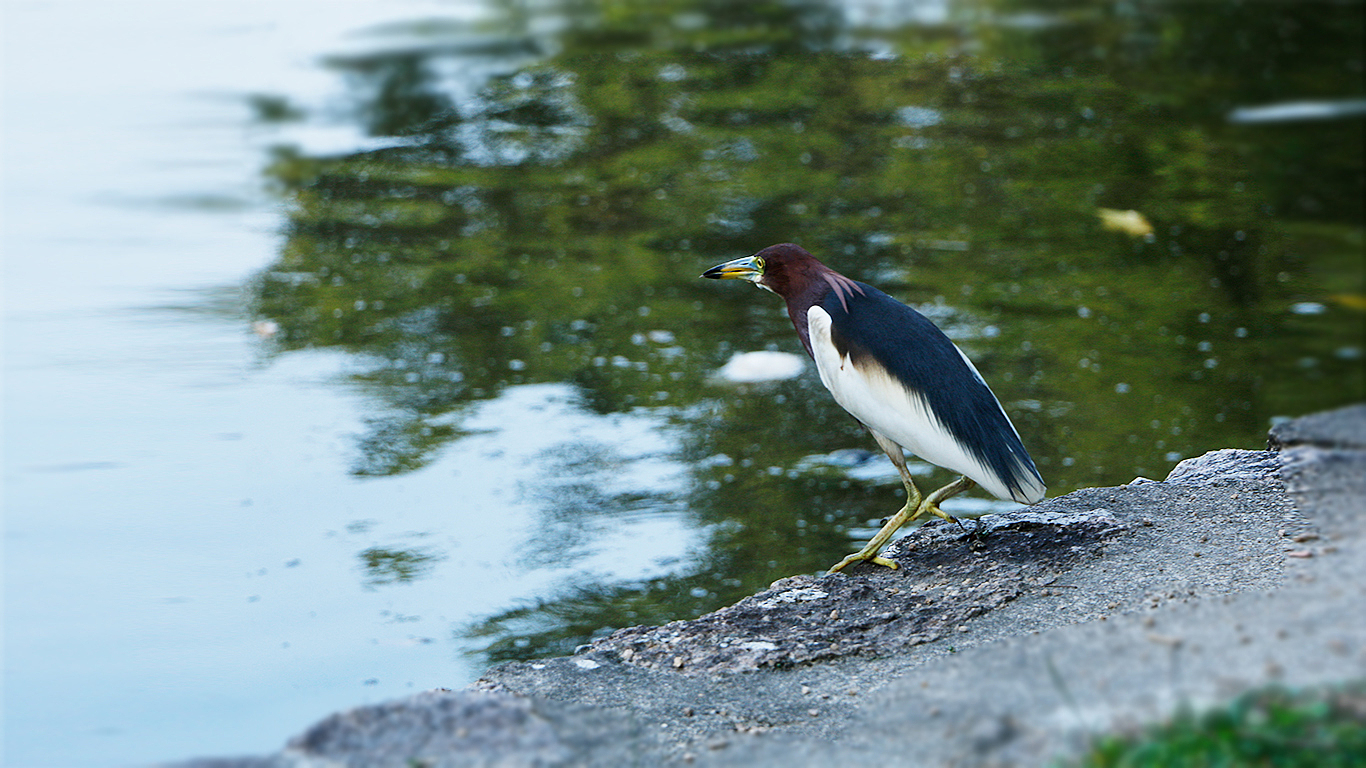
(796, 311)
(816, 289)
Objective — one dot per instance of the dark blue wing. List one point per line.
(873, 325)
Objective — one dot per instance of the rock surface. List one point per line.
(806, 618)
(1008, 642)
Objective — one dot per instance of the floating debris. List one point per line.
(751, 367)
(1129, 222)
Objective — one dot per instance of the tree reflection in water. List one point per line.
(547, 225)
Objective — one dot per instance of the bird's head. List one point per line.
(784, 269)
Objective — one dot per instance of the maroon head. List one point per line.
(792, 273)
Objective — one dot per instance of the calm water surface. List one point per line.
(347, 354)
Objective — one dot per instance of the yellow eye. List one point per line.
(759, 263)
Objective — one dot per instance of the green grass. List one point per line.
(1322, 728)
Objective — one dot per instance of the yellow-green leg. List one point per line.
(915, 508)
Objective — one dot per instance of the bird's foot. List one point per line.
(866, 556)
(874, 545)
(915, 508)
(931, 502)
(942, 515)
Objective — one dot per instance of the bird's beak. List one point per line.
(744, 268)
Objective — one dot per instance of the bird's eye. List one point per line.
(759, 263)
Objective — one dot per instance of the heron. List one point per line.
(905, 381)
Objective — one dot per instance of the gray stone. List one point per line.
(451, 729)
(1339, 428)
(1226, 465)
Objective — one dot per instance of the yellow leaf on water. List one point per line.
(1129, 222)
(1350, 300)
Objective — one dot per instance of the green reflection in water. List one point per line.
(551, 227)
(384, 565)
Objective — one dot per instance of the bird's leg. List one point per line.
(910, 511)
(874, 545)
(898, 458)
(915, 508)
(931, 503)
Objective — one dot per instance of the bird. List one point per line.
(898, 374)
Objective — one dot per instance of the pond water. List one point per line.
(348, 353)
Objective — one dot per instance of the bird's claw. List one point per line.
(941, 514)
(864, 556)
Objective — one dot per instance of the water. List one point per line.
(181, 530)
(346, 353)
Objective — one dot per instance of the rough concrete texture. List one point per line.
(806, 618)
(1341, 428)
(1008, 642)
(453, 729)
